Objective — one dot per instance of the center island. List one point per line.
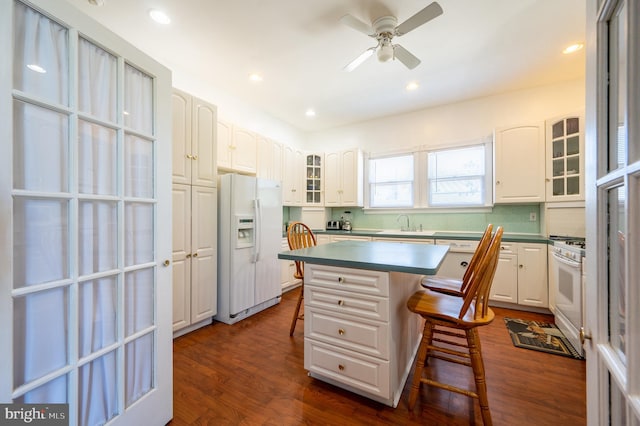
(358, 333)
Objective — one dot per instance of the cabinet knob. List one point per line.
(497, 182)
(195, 254)
(188, 256)
(521, 266)
(194, 157)
(166, 262)
(340, 302)
(189, 156)
(341, 331)
(340, 367)
(341, 280)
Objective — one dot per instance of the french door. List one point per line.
(85, 293)
(613, 213)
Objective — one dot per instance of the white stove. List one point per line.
(567, 269)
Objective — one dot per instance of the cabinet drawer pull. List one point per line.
(340, 367)
(341, 331)
(340, 302)
(341, 280)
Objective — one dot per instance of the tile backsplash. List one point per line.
(514, 218)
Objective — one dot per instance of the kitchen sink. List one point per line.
(398, 232)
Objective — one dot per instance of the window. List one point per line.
(391, 181)
(454, 177)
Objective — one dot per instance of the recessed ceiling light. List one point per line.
(573, 48)
(412, 86)
(310, 113)
(36, 68)
(255, 77)
(159, 16)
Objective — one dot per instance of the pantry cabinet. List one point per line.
(521, 275)
(292, 182)
(237, 148)
(344, 178)
(194, 257)
(520, 164)
(565, 159)
(194, 140)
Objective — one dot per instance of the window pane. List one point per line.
(97, 71)
(40, 241)
(97, 315)
(97, 391)
(97, 152)
(53, 392)
(391, 181)
(138, 100)
(40, 334)
(138, 300)
(617, 271)
(40, 148)
(618, 89)
(98, 236)
(40, 52)
(139, 364)
(138, 230)
(457, 177)
(138, 167)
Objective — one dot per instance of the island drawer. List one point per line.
(347, 279)
(361, 335)
(344, 302)
(355, 370)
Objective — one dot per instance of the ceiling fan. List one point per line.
(384, 29)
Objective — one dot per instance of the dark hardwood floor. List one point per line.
(251, 373)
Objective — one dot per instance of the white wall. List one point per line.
(458, 122)
(234, 110)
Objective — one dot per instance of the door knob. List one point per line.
(166, 262)
(584, 336)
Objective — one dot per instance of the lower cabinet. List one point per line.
(521, 275)
(194, 257)
(359, 334)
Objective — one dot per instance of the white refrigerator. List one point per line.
(249, 239)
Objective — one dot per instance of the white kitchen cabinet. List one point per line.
(404, 240)
(292, 177)
(313, 179)
(359, 335)
(194, 140)
(565, 158)
(237, 149)
(344, 178)
(520, 164)
(270, 157)
(194, 257)
(521, 275)
(288, 268)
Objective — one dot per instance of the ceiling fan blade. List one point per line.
(357, 25)
(425, 15)
(406, 57)
(360, 59)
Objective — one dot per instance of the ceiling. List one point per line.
(476, 48)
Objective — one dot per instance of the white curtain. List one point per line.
(42, 320)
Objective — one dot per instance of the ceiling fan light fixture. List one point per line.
(385, 52)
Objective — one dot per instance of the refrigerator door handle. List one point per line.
(258, 230)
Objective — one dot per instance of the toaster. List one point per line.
(334, 225)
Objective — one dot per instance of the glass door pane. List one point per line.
(617, 272)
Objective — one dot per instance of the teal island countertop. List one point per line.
(422, 259)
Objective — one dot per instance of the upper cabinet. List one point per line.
(565, 159)
(270, 156)
(293, 161)
(194, 140)
(520, 164)
(344, 174)
(313, 179)
(237, 148)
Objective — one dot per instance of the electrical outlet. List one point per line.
(532, 217)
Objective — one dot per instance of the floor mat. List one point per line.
(539, 336)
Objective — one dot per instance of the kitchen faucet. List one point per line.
(406, 217)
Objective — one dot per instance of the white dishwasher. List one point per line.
(457, 259)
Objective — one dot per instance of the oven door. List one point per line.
(568, 293)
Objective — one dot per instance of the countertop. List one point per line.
(441, 235)
(424, 259)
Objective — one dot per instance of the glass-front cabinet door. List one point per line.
(565, 159)
(313, 180)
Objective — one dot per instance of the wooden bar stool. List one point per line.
(455, 286)
(299, 236)
(457, 317)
